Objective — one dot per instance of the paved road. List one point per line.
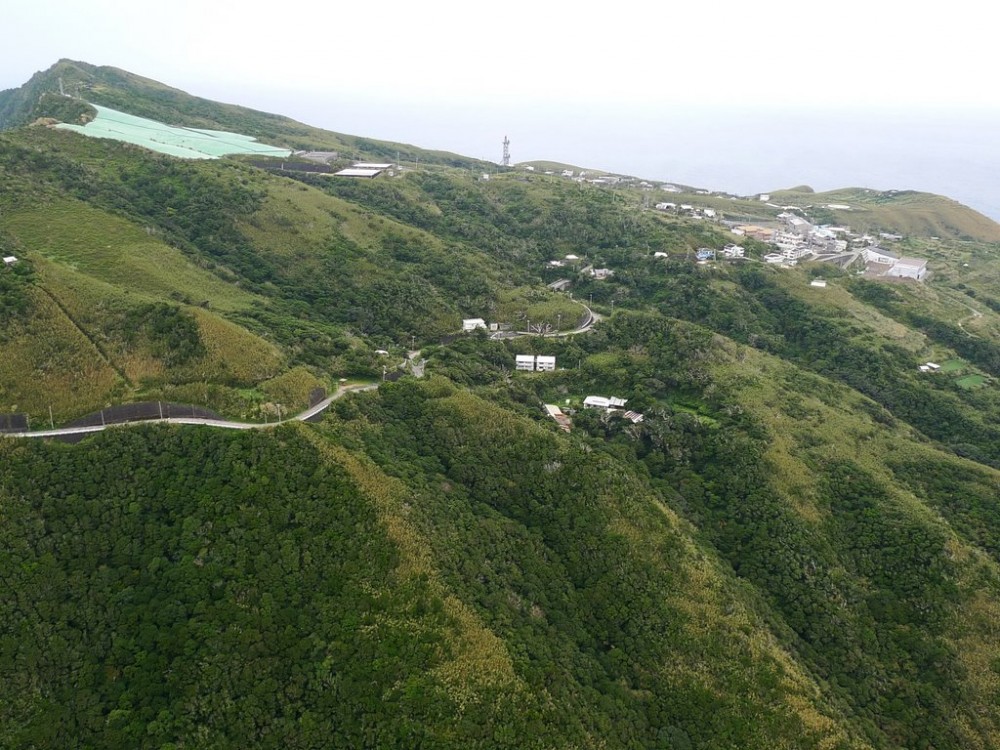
(592, 318)
(219, 423)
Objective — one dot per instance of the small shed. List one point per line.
(9, 260)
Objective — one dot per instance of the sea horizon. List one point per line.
(734, 150)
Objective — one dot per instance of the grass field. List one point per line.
(971, 381)
(952, 365)
(120, 253)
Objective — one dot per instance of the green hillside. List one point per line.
(127, 92)
(791, 541)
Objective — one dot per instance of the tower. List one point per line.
(506, 151)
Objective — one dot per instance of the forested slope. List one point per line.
(795, 546)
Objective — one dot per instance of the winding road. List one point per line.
(308, 414)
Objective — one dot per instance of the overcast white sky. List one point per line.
(796, 53)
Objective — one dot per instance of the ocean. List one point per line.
(736, 149)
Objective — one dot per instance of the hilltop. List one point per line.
(776, 525)
(144, 97)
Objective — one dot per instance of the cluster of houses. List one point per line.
(605, 179)
(797, 239)
(611, 405)
(589, 270)
(686, 209)
(879, 262)
(704, 254)
(929, 367)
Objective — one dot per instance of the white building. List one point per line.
(600, 402)
(524, 362)
(358, 172)
(471, 324)
(9, 260)
(909, 268)
(544, 363)
(821, 283)
(878, 255)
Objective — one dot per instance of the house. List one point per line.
(561, 419)
(9, 260)
(601, 273)
(544, 363)
(765, 197)
(600, 402)
(821, 283)
(633, 416)
(798, 225)
(704, 253)
(556, 263)
(774, 258)
(878, 255)
(524, 362)
(471, 324)
(358, 172)
(909, 268)
(709, 213)
(660, 254)
(758, 233)
(733, 251)
(572, 257)
(666, 206)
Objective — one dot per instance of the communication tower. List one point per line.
(506, 151)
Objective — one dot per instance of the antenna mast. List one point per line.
(506, 151)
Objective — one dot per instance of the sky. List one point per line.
(562, 79)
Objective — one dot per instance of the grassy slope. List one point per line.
(902, 212)
(145, 97)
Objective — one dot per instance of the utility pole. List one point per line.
(52, 423)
